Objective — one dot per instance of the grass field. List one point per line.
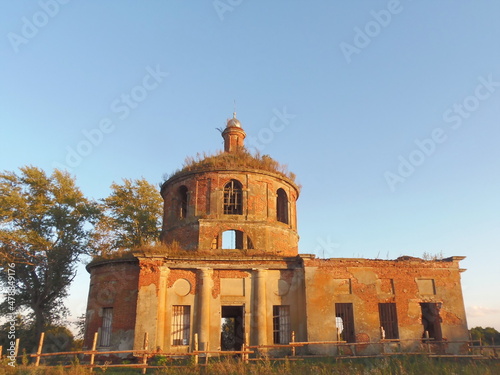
(401, 365)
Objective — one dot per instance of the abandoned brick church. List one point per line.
(231, 255)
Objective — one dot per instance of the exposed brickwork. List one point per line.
(112, 284)
(205, 220)
(382, 281)
(227, 274)
(149, 273)
(189, 275)
(287, 275)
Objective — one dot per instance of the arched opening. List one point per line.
(236, 239)
(232, 239)
(233, 198)
(282, 206)
(183, 201)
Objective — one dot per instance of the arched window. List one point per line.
(233, 198)
(232, 239)
(183, 201)
(282, 206)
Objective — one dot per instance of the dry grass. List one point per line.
(403, 365)
(225, 160)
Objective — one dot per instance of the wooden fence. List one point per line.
(475, 351)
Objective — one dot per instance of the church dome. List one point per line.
(233, 122)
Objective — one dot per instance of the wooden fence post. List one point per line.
(382, 338)
(1, 351)
(145, 355)
(206, 354)
(195, 348)
(39, 351)
(428, 341)
(16, 350)
(92, 356)
(293, 341)
(246, 344)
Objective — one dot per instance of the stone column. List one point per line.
(261, 306)
(162, 307)
(204, 307)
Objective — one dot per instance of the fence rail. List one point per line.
(475, 350)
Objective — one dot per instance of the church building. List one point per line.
(230, 270)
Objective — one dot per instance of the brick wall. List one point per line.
(112, 284)
(205, 220)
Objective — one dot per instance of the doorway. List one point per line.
(344, 319)
(431, 321)
(232, 328)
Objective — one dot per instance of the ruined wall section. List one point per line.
(113, 284)
(366, 283)
(205, 285)
(151, 283)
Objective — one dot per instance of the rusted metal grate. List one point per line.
(233, 198)
(181, 323)
(107, 320)
(281, 324)
(389, 320)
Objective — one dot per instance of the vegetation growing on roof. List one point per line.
(226, 160)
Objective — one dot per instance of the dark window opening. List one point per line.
(181, 324)
(431, 320)
(345, 316)
(107, 319)
(233, 198)
(281, 324)
(232, 239)
(183, 198)
(389, 320)
(249, 243)
(282, 206)
(232, 328)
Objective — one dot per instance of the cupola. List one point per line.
(233, 135)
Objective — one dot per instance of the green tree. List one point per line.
(44, 228)
(22, 329)
(57, 339)
(131, 217)
(488, 335)
(228, 335)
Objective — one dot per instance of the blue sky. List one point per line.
(387, 111)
